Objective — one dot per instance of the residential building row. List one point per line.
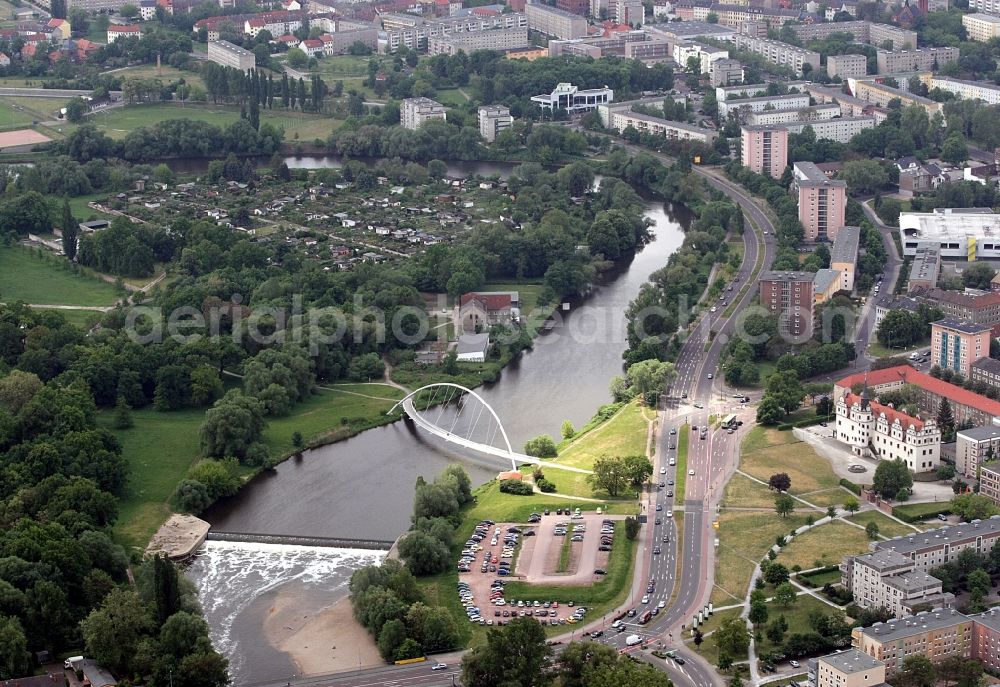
(229, 55)
(415, 32)
(555, 22)
(496, 39)
(863, 32)
(881, 95)
(916, 60)
(966, 406)
(968, 90)
(981, 27)
(779, 53)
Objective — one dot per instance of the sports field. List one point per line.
(26, 277)
(117, 122)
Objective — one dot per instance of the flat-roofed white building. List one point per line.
(968, 90)
(413, 112)
(230, 55)
(840, 129)
(963, 233)
(794, 114)
(744, 106)
(657, 126)
(568, 97)
(494, 119)
(981, 27)
(555, 22)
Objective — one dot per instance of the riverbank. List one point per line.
(329, 641)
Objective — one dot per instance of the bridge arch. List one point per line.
(407, 403)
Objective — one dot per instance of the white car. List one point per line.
(713, 309)
(663, 471)
(691, 473)
(670, 513)
(439, 666)
(645, 599)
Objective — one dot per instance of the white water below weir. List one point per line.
(463, 429)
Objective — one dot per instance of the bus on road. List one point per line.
(729, 421)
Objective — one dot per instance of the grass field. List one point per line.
(119, 121)
(824, 545)
(808, 471)
(15, 117)
(743, 492)
(744, 538)
(452, 97)
(828, 497)
(797, 616)
(83, 212)
(84, 319)
(624, 434)
(343, 66)
(165, 73)
(41, 109)
(708, 650)
(162, 446)
(26, 277)
(821, 578)
(879, 351)
(887, 527)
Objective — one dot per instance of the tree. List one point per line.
(785, 594)
(892, 478)
(166, 594)
(954, 149)
(775, 574)
(786, 388)
(864, 176)
(900, 329)
(777, 629)
(515, 654)
(780, 482)
(769, 411)
(70, 231)
(579, 659)
(917, 671)
(123, 414)
(851, 504)
(541, 446)
(758, 612)
(568, 431)
(129, 11)
(391, 637)
(871, 529)
(732, 638)
(297, 58)
(17, 388)
(649, 376)
(232, 425)
(784, 505)
(971, 507)
(945, 472)
(112, 632)
(610, 474)
(638, 468)
(978, 275)
(13, 648)
(424, 554)
(945, 418)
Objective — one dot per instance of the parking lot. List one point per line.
(499, 552)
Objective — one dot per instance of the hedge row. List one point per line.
(848, 484)
(806, 422)
(906, 517)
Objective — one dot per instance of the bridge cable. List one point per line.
(458, 415)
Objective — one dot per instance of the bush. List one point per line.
(192, 497)
(850, 486)
(631, 528)
(515, 486)
(541, 446)
(546, 486)
(945, 509)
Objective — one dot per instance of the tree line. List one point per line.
(251, 88)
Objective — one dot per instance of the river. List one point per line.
(363, 487)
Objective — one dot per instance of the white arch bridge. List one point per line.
(461, 416)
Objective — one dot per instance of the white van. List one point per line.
(914, 355)
(632, 640)
(70, 663)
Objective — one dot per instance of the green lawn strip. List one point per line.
(564, 551)
(83, 212)
(887, 527)
(84, 319)
(36, 277)
(624, 434)
(828, 497)
(877, 350)
(920, 510)
(823, 545)
(162, 446)
(683, 436)
(818, 579)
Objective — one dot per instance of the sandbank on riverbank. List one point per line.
(325, 641)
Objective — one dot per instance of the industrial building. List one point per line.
(962, 233)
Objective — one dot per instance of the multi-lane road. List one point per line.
(682, 572)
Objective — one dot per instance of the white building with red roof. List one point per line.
(126, 31)
(881, 431)
(311, 47)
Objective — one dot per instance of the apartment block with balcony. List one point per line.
(822, 202)
(850, 668)
(981, 27)
(764, 149)
(917, 60)
(413, 112)
(956, 345)
(937, 635)
(493, 120)
(987, 371)
(789, 295)
(888, 580)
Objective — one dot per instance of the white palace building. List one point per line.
(883, 432)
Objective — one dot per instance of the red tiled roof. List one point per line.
(129, 28)
(287, 38)
(908, 375)
(891, 414)
(313, 43)
(484, 12)
(496, 301)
